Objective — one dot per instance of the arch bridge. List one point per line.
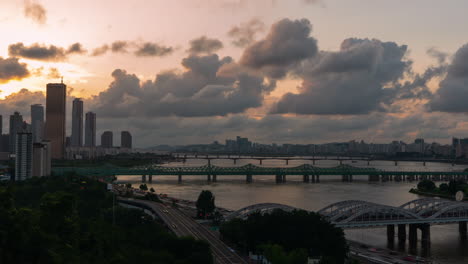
(417, 214)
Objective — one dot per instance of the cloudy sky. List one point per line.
(195, 71)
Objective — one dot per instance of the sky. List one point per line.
(283, 71)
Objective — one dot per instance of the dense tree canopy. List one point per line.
(69, 220)
(426, 185)
(289, 230)
(205, 203)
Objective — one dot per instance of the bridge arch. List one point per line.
(455, 210)
(334, 210)
(379, 213)
(262, 208)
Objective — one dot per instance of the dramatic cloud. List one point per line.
(43, 52)
(20, 101)
(358, 79)
(453, 91)
(35, 11)
(210, 87)
(54, 73)
(149, 49)
(12, 69)
(204, 45)
(245, 33)
(287, 44)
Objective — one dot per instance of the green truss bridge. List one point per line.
(308, 172)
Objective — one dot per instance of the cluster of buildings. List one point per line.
(33, 145)
(418, 148)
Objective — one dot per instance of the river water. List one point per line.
(233, 193)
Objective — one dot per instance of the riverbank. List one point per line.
(429, 194)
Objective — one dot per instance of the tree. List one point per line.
(128, 185)
(152, 190)
(444, 188)
(143, 187)
(426, 185)
(277, 255)
(205, 203)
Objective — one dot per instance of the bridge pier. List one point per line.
(287, 161)
(248, 178)
(235, 161)
(401, 232)
(396, 163)
(179, 178)
(462, 229)
(390, 233)
(341, 162)
(150, 178)
(214, 178)
(312, 178)
(143, 178)
(284, 178)
(280, 178)
(208, 177)
(413, 233)
(426, 233)
(261, 161)
(374, 178)
(368, 163)
(313, 162)
(318, 179)
(306, 179)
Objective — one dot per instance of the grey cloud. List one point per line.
(437, 54)
(21, 101)
(204, 45)
(453, 90)
(43, 52)
(54, 73)
(12, 69)
(210, 87)
(100, 50)
(120, 46)
(245, 33)
(149, 49)
(76, 48)
(35, 11)
(350, 81)
(288, 43)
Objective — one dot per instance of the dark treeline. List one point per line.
(447, 189)
(291, 231)
(70, 220)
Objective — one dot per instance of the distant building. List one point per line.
(90, 130)
(5, 143)
(16, 123)
(41, 159)
(1, 125)
(126, 139)
(56, 118)
(107, 139)
(37, 122)
(77, 123)
(24, 156)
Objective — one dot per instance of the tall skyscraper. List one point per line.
(126, 140)
(37, 122)
(107, 139)
(90, 129)
(77, 123)
(16, 123)
(24, 156)
(55, 118)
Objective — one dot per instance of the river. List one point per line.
(233, 193)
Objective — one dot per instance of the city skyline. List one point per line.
(339, 77)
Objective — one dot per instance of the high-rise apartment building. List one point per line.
(90, 129)
(37, 122)
(126, 140)
(55, 118)
(107, 139)
(24, 156)
(41, 159)
(16, 123)
(77, 123)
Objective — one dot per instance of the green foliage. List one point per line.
(276, 255)
(426, 185)
(290, 230)
(128, 185)
(152, 190)
(444, 188)
(205, 203)
(456, 185)
(69, 220)
(143, 187)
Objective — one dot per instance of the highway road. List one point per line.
(182, 225)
